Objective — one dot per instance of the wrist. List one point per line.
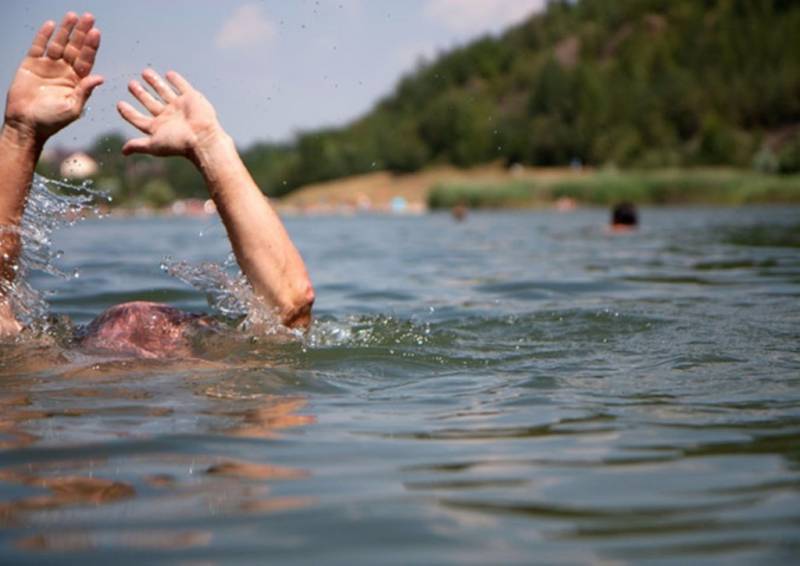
(208, 145)
(21, 136)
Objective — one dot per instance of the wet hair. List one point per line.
(624, 214)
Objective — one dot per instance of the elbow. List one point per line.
(9, 329)
(298, 315)
(9, 326)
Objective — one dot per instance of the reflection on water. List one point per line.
(766, 235)
(58, 483)
(63, 491)
(510, 389)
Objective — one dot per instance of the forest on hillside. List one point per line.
(629, 83)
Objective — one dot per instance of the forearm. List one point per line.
(265, 253)
(19, 152)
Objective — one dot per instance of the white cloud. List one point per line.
(479, 16)
(248, 26)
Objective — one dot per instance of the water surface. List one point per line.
(517, 388)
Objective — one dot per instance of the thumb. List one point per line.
(137, 145)
(88, 84)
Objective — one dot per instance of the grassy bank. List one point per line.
(679, 186)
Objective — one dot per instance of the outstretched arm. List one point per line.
(48, 92)
(183, 122)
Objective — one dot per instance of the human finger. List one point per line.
(39, 45)
(56, 48)
(177, 81)
(148, 100)
(88, 84)
(163, 89)
(85, 61)
(73, 48)
(137, 145)
(134, 117)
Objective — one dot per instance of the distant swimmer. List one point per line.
(459, 212)
(624, 217)
(49, 91)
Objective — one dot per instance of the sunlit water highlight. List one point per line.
(521, 387)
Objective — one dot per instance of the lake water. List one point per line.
(516, 388)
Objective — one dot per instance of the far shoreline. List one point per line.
(496, 187)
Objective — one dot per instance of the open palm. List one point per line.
(180, 116)
(53, 82)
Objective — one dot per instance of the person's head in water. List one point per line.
(459, 211)
(624, 216)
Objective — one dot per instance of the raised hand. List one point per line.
(181, 119)
(54, 80)
(182, 122)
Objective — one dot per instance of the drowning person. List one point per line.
(624, 217)
(49, 91)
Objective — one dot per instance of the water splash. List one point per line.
(51, 205)
(228, 293)
(370, 330)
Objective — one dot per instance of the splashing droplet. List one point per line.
(51, 205)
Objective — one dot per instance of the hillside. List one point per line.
(636, 83)
(633, 83)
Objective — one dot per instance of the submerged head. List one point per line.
(141, 329)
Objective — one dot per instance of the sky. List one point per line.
(271, 68)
